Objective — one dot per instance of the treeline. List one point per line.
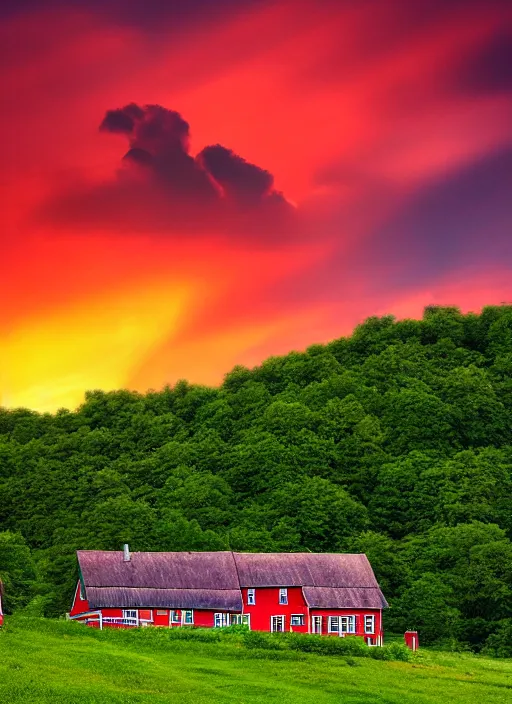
(396, 441)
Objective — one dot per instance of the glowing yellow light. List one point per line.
(48, 363)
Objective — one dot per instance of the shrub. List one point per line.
(328, 646)
(499, 643)
(203, 635)
(393, 651)
(259, 639)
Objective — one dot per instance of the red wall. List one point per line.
(79, 605)
(358, 613)
(267, 605)
(202, 618)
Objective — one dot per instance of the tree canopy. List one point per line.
(395, 441)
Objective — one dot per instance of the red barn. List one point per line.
(328, 594)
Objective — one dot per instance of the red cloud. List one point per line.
(361, 113)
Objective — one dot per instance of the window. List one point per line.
(187, 617)
(129, 618)
(251, 596)
(369, 624)
(297, 620)
(175, 617)
(240, 619)
(161, 612)
(316, 624)
(348, 624)
(220, 620)
(277, 624)
(334, 624)
(283, 596)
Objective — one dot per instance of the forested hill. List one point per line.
(396, 442)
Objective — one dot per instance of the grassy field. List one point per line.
(65, 663)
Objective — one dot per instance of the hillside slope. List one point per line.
(396, 441)
(52, 662)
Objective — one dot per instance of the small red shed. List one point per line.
(411, 640)
(324, 593)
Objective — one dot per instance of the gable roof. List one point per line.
(303, 569)
(196, 580)
(344, 598)
(159, 570)
(213, 580)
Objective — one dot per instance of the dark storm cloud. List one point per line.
(161, 187)
(237, 178)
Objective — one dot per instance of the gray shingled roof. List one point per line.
(302, 569)
(213, 580)
(135, 598)
(159, 570)
(344, 598)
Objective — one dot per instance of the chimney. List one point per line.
(126, 553)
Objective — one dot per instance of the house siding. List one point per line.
(267, 605)
(358, 613)
(153, 584)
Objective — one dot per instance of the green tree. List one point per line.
(323, 514)
(17, 571)
(427, 607)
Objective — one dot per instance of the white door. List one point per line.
(277, 624)
(316, 624)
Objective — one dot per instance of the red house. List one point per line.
(328, 594)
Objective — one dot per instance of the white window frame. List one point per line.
(348, 624)
(330, 621)
(221, 619)
(283, 596)
(184, 613)
(369, 618)
(175, 613)
(240, 620)
(275, 630)
(300, 617)
(317, 621)
(251, 597)
(131, 615)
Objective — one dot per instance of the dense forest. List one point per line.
(396, 441)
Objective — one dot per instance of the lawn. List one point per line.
(65, 663)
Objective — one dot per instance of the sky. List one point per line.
(188, 186)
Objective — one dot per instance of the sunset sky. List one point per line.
(187, 186)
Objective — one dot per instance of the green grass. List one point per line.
(66, 663)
